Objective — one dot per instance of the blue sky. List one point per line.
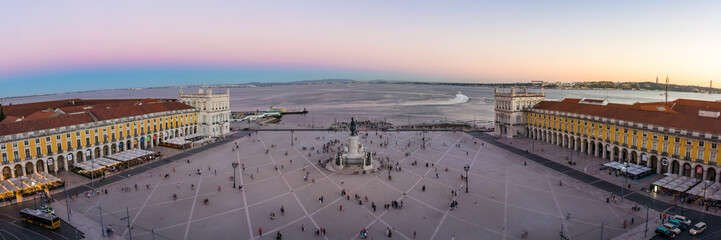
(59, 46)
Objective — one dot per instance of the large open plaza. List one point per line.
(509, 198)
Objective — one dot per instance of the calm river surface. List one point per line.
(396, 103)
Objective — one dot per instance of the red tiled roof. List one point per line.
(105, 113)
(7, 128)
(40, 114)
(78, 111)
(680, 114)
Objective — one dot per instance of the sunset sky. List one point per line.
(60, 46)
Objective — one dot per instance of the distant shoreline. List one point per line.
(629, 86)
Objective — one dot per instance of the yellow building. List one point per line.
(680, 137)
(51, 136)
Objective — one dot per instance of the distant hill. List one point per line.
(630, 86)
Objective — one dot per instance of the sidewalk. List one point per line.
(84, 224)
(591, 165)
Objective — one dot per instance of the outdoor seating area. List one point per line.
(195, 137)
(95, 167)
(179, 143)
(674, 184)
(133, 154)
(689, 190)
(629, 169)
(27, 185)
(112, 163)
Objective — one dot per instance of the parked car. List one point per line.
(683, 220)
(673, 228)
(665, 233)
(698, 228)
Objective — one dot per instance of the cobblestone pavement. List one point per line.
(587, 170)
(508, 195)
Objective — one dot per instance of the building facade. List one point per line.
(213, 110)
(678, 137)
(509, 109)
(51, 136)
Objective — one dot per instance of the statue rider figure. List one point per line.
(352, 127)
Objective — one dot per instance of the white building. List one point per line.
(509, 110)
(213, 111)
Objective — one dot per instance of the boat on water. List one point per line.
(275, 110)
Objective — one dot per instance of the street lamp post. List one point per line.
(623, 181)
(291, 137)
(466, 168)
(235, 165)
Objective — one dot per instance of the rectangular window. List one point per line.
(712, 156)
(634, 142)
(37, 140)
(87, 141)
(67, 135)
(37, 150)
(5, 158)
(57, 137)
(78, 143)
(96, 139)
(25, 142)
(50, 149)
(665, 147)
(27, 153)
(16, 156)
(688, 152)
(676, 149)
(2, 146)
(60, 147)
(69, 145)
(47, 139)
(700, 143)
(713, 145)
(15, 144)
(654, 145)
(699, 155)
(665, 138)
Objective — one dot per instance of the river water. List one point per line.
(395, 103)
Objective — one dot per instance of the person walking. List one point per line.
(260, 231)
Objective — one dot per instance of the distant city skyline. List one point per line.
(75, 46)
